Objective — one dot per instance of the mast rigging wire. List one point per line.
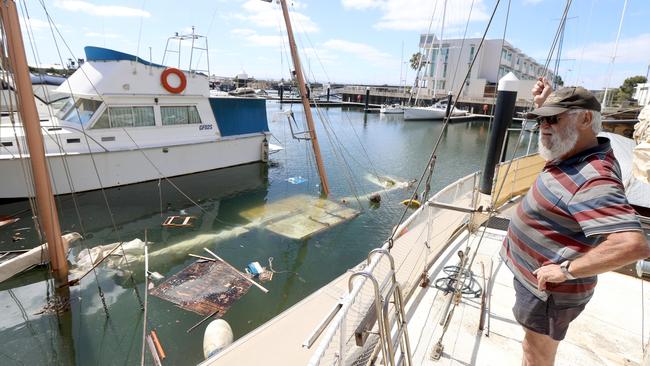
(444, 126)
(64, 160)
(326, 121)
(611, 64)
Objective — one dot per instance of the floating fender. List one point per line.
(412, 203)
(217, 336)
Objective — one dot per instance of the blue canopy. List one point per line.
(105, 54)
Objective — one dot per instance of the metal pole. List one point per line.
(305, 102)
(31, 124)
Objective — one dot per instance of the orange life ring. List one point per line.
(163, 80)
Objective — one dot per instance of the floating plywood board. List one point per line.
(300, 216)
(203, 288)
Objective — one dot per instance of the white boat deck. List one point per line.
(608, 332)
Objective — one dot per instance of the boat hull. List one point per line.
(76, 172)
(417, 113)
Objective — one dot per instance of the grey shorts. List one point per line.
(544, 317)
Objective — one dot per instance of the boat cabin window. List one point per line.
(179, 115)
(81, 112)
(126, 117)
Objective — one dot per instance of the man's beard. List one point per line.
(559, 145)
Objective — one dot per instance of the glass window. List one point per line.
(102, 121)
(121, 116)
(82, 111)
(117, 117)
(179, 115)
(143, 116)
(471, 53)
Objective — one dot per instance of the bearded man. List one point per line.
(574, 223)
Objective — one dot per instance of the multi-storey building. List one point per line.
(447, 63)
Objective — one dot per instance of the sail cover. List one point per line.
(637, 191)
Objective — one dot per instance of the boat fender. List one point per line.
(412, 203)
(217, 336)
(165, 83)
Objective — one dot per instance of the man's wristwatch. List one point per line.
(564, 267)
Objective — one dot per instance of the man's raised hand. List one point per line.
(541, 91)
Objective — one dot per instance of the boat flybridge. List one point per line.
(127, 120)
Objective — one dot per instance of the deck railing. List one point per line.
(351, 336)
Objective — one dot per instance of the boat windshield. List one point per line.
(79, 111)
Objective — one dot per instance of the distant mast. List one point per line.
(305, 101)
(31, 124)
(438, 54)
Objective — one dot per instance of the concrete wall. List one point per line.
(475, 88)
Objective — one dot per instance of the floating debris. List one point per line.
(179, 221)
(4, 220)
(415, 204)
(203, 288)
(296, 180)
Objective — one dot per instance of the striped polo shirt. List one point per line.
(569, 209)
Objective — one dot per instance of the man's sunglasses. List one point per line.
(551, 120)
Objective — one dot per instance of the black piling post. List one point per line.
(281, 92)
(328, 93)
(505, 108)
(367, 99)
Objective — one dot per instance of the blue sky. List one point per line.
(351, 41)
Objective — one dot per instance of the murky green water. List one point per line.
(354, 147)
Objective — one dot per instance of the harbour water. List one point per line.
(356, 148)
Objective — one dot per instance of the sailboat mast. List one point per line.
(611, 65)
(305, 101)
(31, 124)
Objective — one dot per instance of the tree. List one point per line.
(416, 61)
(626, 90)
(559, 81)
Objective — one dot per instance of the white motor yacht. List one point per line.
(128, 121)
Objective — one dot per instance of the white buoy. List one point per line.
(217, 336)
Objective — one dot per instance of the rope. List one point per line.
(274, 271)
(468, 283)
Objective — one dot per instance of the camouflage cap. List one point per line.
(561, 100)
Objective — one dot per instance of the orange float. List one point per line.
(165, 75)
